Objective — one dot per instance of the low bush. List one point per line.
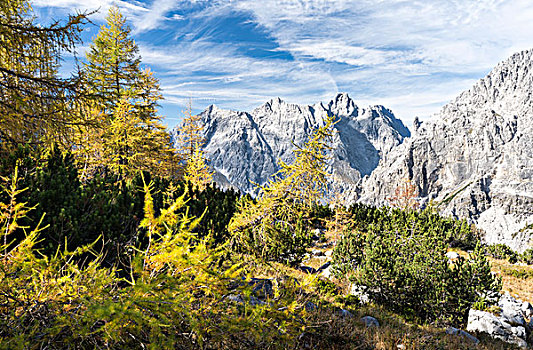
(502, 252)
(408, 272)
(455, 233)
(527, 256)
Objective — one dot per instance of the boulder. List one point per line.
(262, 287)
(496, 326)
(370, 321)
(237, 298)
(463, 334)
(325, 270)
(344, 313)
(527, 309)
(512, 310)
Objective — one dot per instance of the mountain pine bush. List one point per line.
(403, 265)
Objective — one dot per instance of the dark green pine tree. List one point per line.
(55, 190)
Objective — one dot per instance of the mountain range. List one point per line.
(474, 157)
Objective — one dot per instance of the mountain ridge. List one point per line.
(476, 149)
(244, 147)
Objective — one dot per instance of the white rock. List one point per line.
(479, 143)
(512, 310)
(326, 272)
(527, 309)
(461, 333)
(496, 327)
(452, 255)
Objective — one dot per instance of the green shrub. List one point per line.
(326, 287)
(408, 272)
(348, 254)
(502, 252)
(455, 233)
(527, 256)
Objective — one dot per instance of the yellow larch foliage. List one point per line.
(197, 171)
(277, 225)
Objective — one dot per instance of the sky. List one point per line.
(410, 56)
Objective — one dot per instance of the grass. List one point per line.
(335, 332)
(516, 279)
(328, 330)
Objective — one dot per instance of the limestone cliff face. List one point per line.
(244, 147)
(481, 146)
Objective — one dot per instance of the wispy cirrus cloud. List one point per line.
(412, 56)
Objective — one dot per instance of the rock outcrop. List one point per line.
(509, 325)
(476, 155)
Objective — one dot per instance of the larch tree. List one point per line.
(276, 226)
(190, 142)
(36, 105)
(189, 135)
(129, 135)
(197, 170)
(405, 196)
(113, 70)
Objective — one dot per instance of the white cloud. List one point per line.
(417, 50)
(412, 56)
(131, 9)
(154, 18)
(212, 73)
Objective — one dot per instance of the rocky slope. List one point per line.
(245, 147)
(479, 147)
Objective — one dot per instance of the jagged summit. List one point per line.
(480, 143)
(477, 151)
(245, 147)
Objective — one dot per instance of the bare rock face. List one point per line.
(477, 153)
(245, 148)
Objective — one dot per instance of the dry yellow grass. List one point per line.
(394, 333)
(516, 279)
(327, 330)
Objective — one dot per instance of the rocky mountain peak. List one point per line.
(342, 104)
(245, 147)
(476, 154)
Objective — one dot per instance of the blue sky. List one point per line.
(411, 56)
